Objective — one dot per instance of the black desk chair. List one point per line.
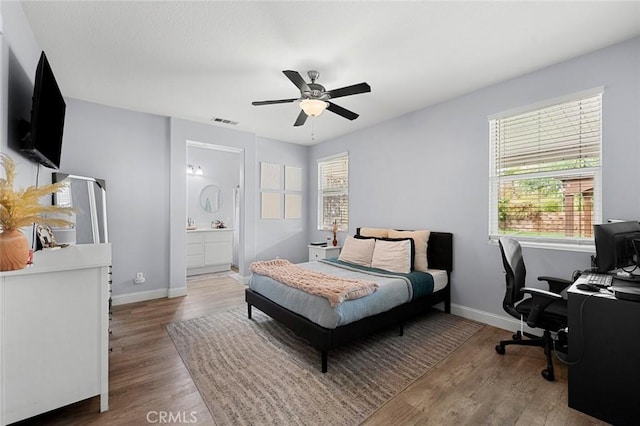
(546, 310)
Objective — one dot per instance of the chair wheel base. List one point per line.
(548, 375)
(500, 349)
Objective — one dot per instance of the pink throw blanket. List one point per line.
(334, 289)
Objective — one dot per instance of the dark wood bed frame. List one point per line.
(440, 255)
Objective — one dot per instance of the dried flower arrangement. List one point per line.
(19, 208)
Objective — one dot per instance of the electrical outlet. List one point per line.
(139, 279)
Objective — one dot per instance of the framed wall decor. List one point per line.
(292, 178)
(269, 176)
(292, 206)
(270, 208)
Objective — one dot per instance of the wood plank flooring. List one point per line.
(473, 386)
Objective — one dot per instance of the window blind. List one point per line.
(333, 192)
(545, 171)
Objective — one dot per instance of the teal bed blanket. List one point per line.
(421, 282)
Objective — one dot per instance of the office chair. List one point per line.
(546, 310)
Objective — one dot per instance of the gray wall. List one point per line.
(130, 151)
(429, 169)
(18, 42)
(284, 238)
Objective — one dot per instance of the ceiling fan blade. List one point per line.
(336, 109)
(297, 79)
(278, 101)
(349, 90)
(302, 117)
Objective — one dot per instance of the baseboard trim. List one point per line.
(505, 323)
(139, 296)
(177, 292)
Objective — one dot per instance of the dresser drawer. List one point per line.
(195, 238)
(193, 249)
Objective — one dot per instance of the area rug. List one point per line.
(258, 372)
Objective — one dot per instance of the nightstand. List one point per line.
(317, 252)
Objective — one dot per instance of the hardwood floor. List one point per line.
(474, 385)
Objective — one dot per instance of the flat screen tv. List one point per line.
(43, 139)
(616, 246)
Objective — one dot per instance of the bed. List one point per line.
(328, 329)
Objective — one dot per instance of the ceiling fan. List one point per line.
(314, 98)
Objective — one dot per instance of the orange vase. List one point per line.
(14, 250)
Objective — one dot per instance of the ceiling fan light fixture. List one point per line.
(313, 107)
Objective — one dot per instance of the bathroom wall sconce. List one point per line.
(193, 169)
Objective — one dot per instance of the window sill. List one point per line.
(548, 245)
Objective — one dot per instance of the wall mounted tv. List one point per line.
(42, 140)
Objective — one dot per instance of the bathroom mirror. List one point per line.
(211, 198)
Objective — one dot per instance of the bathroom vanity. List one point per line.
(209, 250)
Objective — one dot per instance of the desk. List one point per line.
(604, 341)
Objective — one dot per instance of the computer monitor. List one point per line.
(615, 246)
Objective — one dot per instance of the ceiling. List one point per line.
(200, 60)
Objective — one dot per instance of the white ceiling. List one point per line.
(199, 60)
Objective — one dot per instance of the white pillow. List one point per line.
(358, 251)
(421, 240)
(392, 256)
(374, 232)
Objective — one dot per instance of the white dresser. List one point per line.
(209, 250)
(54, 331)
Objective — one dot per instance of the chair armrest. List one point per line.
(556, 285)
(541, 299)
(543, 294)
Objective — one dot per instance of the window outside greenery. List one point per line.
(545, 172)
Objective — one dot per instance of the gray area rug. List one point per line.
(257, 372)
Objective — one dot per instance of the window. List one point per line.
(545, 171)
(333, 192)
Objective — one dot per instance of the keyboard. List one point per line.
(600, 280)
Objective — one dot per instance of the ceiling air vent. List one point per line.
(223, 121)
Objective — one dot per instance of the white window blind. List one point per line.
(333, 192)
(545, 172)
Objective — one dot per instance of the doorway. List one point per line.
(214, 208)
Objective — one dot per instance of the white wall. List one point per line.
(429, 169)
